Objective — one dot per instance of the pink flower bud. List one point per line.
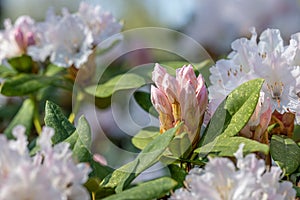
(170, 88)
(158, 75)
(19, 38)
(164, 108)
(186, 74)
(30, 40)
(181, 99)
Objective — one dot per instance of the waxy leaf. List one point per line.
(232, 115)
(79, 138)
(80, 143)
(120, 82)
(144, 136)
(123, 176)
(181, 145)
(55, 118)
(24, 84)
(286, 153)
(153, 189)
(229, 145)
(143, 99)
(178, 174)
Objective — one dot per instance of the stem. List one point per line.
(79, 98)
(36, 119)
(93, 196)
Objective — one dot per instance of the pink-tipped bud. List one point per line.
(158, 75)
(171, 88)
(186, 74)
(160, 100)
(164, 108)
(19, 38)
(30, 40)
(183, 98)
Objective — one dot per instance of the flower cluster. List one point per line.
(221, 180)
(179, 99)
(49, 174)
(67, 40)
(269, 59)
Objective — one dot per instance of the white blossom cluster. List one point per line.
(248, 180)
(267, 58)
(49, 174)
(67, 39)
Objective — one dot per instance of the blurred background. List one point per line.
(214, 24)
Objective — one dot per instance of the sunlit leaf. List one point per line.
(123, 176)
(153, 189)
(145, 136)
(232, 114)
(120, 82)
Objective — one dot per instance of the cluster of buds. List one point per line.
(179, 99)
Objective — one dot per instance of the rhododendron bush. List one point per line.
(224, 130)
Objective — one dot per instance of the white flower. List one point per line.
(268, 59)
(16, 38)
(101, 23)
(50, 174)
(26, 182)
(70, 39)
(66, 40)
(276, 67)
(221, 180)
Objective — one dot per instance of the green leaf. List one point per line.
(53, 70)
(145, 136)
(181, 145)
(153, 189)
(143, 99)
(297, 191)
(229, 145)
(232, 114)
(286, 153)
(122, 177)
(119, 82)
(296, 133)
(178, 174)
(80, 143)
(92, 184)
(55, 118)
(22, 63)
(23, 117)
(240, 104)
(7, 71)
(24, 84)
